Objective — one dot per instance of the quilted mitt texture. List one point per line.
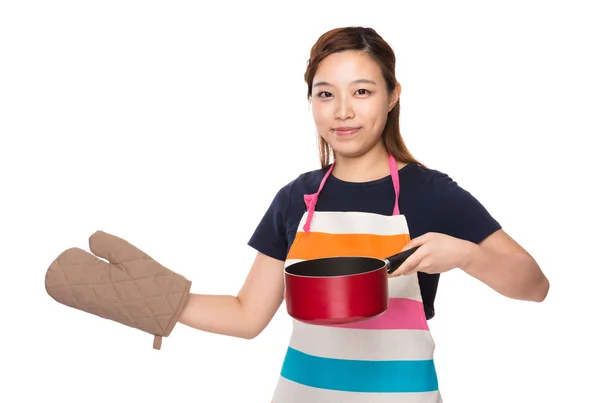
(132, 288)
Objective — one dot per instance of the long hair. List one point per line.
(365, 40)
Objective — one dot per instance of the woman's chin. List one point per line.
(349, 152)
(350, 149)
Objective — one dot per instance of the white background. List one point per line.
(173, 125)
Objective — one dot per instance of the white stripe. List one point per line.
(291, 261)
(352, 222)
(405, 287)
(291, 392)
(362, 344)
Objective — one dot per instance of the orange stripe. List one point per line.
(314, 245)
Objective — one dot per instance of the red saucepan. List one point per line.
(339, 290)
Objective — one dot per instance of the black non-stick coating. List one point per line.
(335, 266)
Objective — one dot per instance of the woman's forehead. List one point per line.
(347, 68)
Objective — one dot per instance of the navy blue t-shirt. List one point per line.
(430, 200)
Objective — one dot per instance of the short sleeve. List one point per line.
(270, 234)
(462, 215)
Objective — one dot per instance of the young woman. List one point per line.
(374, 188)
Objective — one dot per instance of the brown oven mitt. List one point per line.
(132, 288)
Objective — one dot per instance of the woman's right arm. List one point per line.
(245, 315)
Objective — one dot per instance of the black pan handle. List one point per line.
(393, 262)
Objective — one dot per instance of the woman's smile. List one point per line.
(345, 131)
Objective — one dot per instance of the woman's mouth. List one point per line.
(345, 131)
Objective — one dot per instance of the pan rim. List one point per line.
(384, 264)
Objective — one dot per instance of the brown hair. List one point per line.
(365, 40)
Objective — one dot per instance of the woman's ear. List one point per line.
(394, 96)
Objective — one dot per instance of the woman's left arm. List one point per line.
(505, 266)
(498, 261)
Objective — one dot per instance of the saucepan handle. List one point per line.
(393, 262)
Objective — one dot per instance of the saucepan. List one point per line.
(341, 289)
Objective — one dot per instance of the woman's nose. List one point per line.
(344, 109)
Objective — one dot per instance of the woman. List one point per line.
(374, 187)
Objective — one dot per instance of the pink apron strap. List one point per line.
(396, 182)
(311, 199)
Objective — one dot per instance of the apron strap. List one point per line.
(311, 199)
(396, 182)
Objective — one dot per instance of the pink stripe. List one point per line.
(402, 313)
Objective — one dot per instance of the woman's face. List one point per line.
(350, 102)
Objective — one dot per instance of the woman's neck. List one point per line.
(370, 166)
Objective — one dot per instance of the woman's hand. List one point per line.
(438, 253)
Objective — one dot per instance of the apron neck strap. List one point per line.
(311, 199)
(396, 182)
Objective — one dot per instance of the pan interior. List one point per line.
(334, 266)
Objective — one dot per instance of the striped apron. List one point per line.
(385, 359)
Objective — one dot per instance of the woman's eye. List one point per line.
(362, 91)
(324, 94)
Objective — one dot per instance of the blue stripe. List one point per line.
(359, 376)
